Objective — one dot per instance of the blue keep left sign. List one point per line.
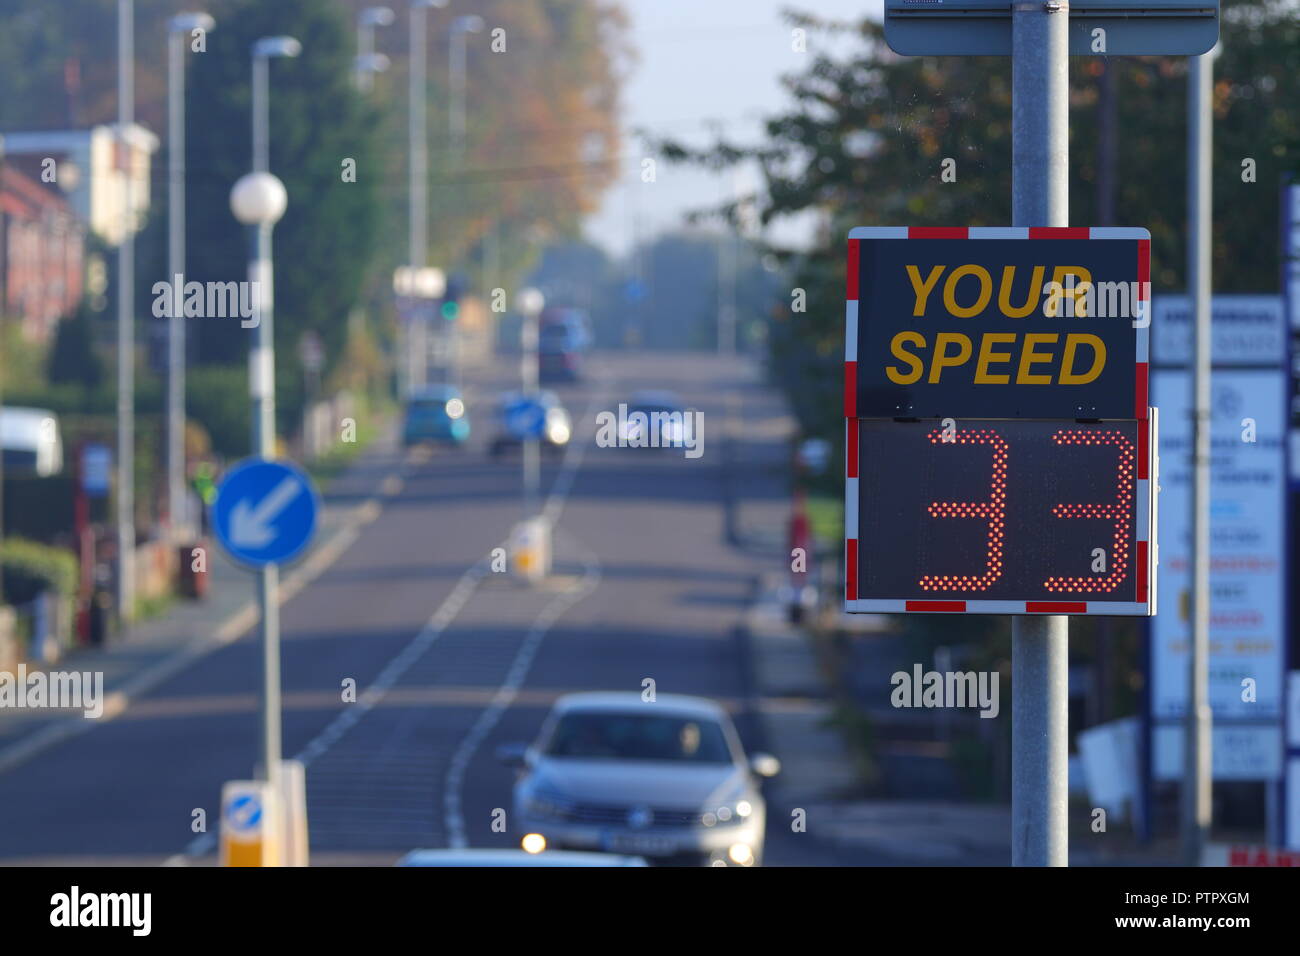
(525, 417)
(265, 512)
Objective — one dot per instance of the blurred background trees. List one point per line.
(541, 144)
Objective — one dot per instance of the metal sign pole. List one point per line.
(268, 596)
(1039, 644)
(1196, 743)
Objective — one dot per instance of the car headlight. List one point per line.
(729, 813)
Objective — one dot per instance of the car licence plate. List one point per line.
(639, 843)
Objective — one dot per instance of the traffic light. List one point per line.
(449, 308)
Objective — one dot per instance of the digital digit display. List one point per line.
(1005, 516)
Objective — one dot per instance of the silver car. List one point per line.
(664, 779)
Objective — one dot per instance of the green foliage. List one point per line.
(216, 396)
(21, 362)
(317, 119)
(73, 358)
(30, 568)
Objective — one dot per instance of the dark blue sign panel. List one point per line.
(1097, 27)
(265, 512)
(96, 470)
(997, 323)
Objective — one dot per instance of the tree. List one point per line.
(73, 358)
(866, 140)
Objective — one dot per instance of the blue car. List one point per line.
(436, 414)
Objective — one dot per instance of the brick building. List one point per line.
(42, 251)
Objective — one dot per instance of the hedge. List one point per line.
(30, 568)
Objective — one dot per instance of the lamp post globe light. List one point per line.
(178, 28)
(258, 199)
(412, 370)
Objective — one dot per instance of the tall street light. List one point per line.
(263, 50)
(178, 28)
(418, 212)
(125, 320)
(258, 200)
(461, 27)
(366, 62)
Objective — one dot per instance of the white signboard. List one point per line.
(1247, 543)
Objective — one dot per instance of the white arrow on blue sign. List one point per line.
(265, 512)
(525, 418)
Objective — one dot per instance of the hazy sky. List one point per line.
(702, 63)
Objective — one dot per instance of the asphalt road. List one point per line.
(449, 659)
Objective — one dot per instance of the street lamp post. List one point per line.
(178, 28)
(258, 200)
(125, 320)
(367, 63)
(418, 193)
(460, 28)
(263, 50)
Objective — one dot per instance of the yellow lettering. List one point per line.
(941, 359)
(1072, 342)
(1077, 291)
(982, 376)
(950, 291)
(1031, 299)
(897, 348)
(1029, 358)
(923, 289)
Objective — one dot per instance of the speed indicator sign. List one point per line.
(1000, 452)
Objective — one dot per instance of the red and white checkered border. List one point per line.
(1146, 479)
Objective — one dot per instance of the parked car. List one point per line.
(513, 422)
(436, 413)
(667, 780)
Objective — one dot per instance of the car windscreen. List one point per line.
(556, 337)
(620, 736)
(425, 407)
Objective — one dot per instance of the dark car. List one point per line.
(513, 422)
(562, 340)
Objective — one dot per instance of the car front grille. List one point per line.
(661, 818)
